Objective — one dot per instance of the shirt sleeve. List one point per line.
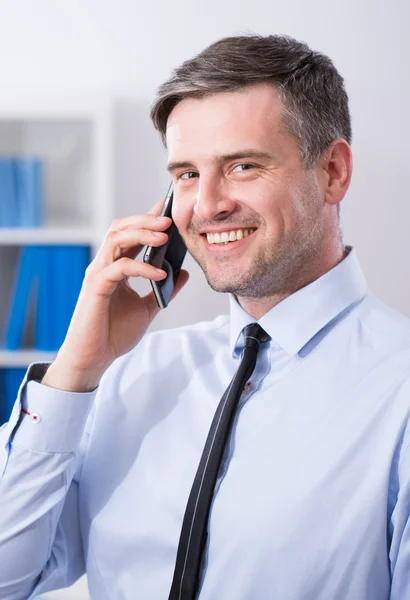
(41, 450)
(399, 524)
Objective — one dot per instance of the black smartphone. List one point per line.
(169, 256)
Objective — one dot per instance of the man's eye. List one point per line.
(242, 167)
(188, 175)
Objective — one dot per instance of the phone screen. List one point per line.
(169, 256)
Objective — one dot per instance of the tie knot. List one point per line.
(254, 336)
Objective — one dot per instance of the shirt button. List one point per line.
(35, 417)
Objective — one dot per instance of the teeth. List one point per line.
(228, 236)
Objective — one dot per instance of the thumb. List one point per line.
(182, 277)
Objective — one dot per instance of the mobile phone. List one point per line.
(169, 256)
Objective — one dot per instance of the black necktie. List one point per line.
(194, 526)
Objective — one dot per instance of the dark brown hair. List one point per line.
(315, 102)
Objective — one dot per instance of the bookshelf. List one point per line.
(10, 236)
(22, 358)
(73, 137)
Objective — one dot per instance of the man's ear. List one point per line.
(336, 166)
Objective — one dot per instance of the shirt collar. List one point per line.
(293, 322)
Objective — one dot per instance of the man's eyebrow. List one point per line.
(257, 154)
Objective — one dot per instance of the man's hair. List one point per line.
(315, 103)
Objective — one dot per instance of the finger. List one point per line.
(128, 243)
(146, 221)
(108, 280)
(150, 300)
(181, 280)
(151, 304)
(156, 209)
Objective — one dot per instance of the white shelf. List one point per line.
(73, 134)
(15, 236)
(22, 358)
(49, 104)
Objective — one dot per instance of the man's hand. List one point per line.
(110, 317)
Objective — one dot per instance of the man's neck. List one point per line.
(257, 307)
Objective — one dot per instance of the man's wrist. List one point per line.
(61, 377)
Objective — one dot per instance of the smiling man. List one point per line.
(248, 183)
(311, 494)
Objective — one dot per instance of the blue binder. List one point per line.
(70, 264)
(61, 272)
(24, 286)
(8, 199)
(29, 191)
(46, 301)
(52, 276)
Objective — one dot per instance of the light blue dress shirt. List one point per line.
(313, 497)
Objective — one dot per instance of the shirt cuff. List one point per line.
(46, 419)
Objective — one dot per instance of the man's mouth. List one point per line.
(225, 237)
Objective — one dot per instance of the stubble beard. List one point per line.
(279, 273)
(278, 269)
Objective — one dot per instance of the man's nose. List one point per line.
(213, 200)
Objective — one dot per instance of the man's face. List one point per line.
(238, 173)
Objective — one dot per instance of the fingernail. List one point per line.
(157, 233)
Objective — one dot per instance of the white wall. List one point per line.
(128, 47)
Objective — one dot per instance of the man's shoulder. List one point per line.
(384, 322)
(381, 336)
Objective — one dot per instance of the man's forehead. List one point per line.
(258, 102)
(225, 123)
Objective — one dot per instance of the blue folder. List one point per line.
(46, 301)
(70, 264)
(61, 272)
(24, 286)
(52, 277)
(8, 199)
(29, 191)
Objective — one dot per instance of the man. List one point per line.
(313, 493)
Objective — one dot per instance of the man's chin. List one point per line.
(219, 284)
(253, 284)
(222, 286)
(225, 280)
